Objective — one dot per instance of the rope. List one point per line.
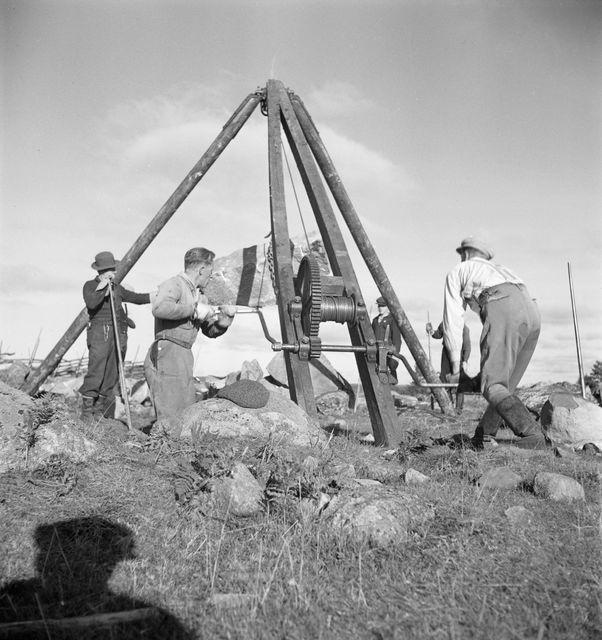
(296, 199)
(265, 259)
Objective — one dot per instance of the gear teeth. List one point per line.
(309, 287)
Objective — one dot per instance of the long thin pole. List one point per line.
(367, 250)
(576, 327)
(228, 132)
(122, 384)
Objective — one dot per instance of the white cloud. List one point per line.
(336, 99)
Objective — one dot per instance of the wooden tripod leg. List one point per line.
(385, 426)
(231, 128)
(299, 378)
(365, 247)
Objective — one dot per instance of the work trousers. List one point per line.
(102, 377)
(168, 370)
(511, 326)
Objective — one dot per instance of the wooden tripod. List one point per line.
(287, 113)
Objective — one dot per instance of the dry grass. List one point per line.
(468, 573)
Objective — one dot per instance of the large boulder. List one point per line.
(536, 395)
(569, 419)
(244, 276)
(31, 432)
(324, 377)
(14, 375)
(66, 386)
(14, 419)
(280, 418)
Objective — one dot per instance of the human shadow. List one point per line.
(70, 597)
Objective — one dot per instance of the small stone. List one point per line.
(389, 454)
(402, 400)
(240, 494)
(368, 482)
(562, 451)
(251, 370)
(367, 439)
(518, 515)
(555, 486)
(334, 403)
(412, 476)
(377, 514)
(499, 478)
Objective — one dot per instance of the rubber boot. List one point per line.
(519, 419)
(88, 408)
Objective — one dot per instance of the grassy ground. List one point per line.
(467, 573)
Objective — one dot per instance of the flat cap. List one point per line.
(381, 302)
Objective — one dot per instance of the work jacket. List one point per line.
(99, 305)
(174, 309)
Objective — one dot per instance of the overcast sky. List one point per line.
(444, 119)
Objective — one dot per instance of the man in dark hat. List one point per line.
(511, 325)
(385, 328)
(100, 383)
(181, 310)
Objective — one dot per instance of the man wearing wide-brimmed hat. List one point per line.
(100, 383)
(511, 325)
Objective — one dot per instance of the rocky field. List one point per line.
(261, 523)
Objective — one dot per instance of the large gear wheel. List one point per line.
(309, 288)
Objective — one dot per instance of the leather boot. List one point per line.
(489, 425)
(519, 419)
(88, 408)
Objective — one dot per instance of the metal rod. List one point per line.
(576, 327)
(438, 385)
(229, 131)
(122, 384)
(428, 333)
(367, 250)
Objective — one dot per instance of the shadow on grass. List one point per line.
(70, 597)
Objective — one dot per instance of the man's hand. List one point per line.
(104, 279)
(205, 312)
(226, 315)
(429, 328)
(453, 377)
